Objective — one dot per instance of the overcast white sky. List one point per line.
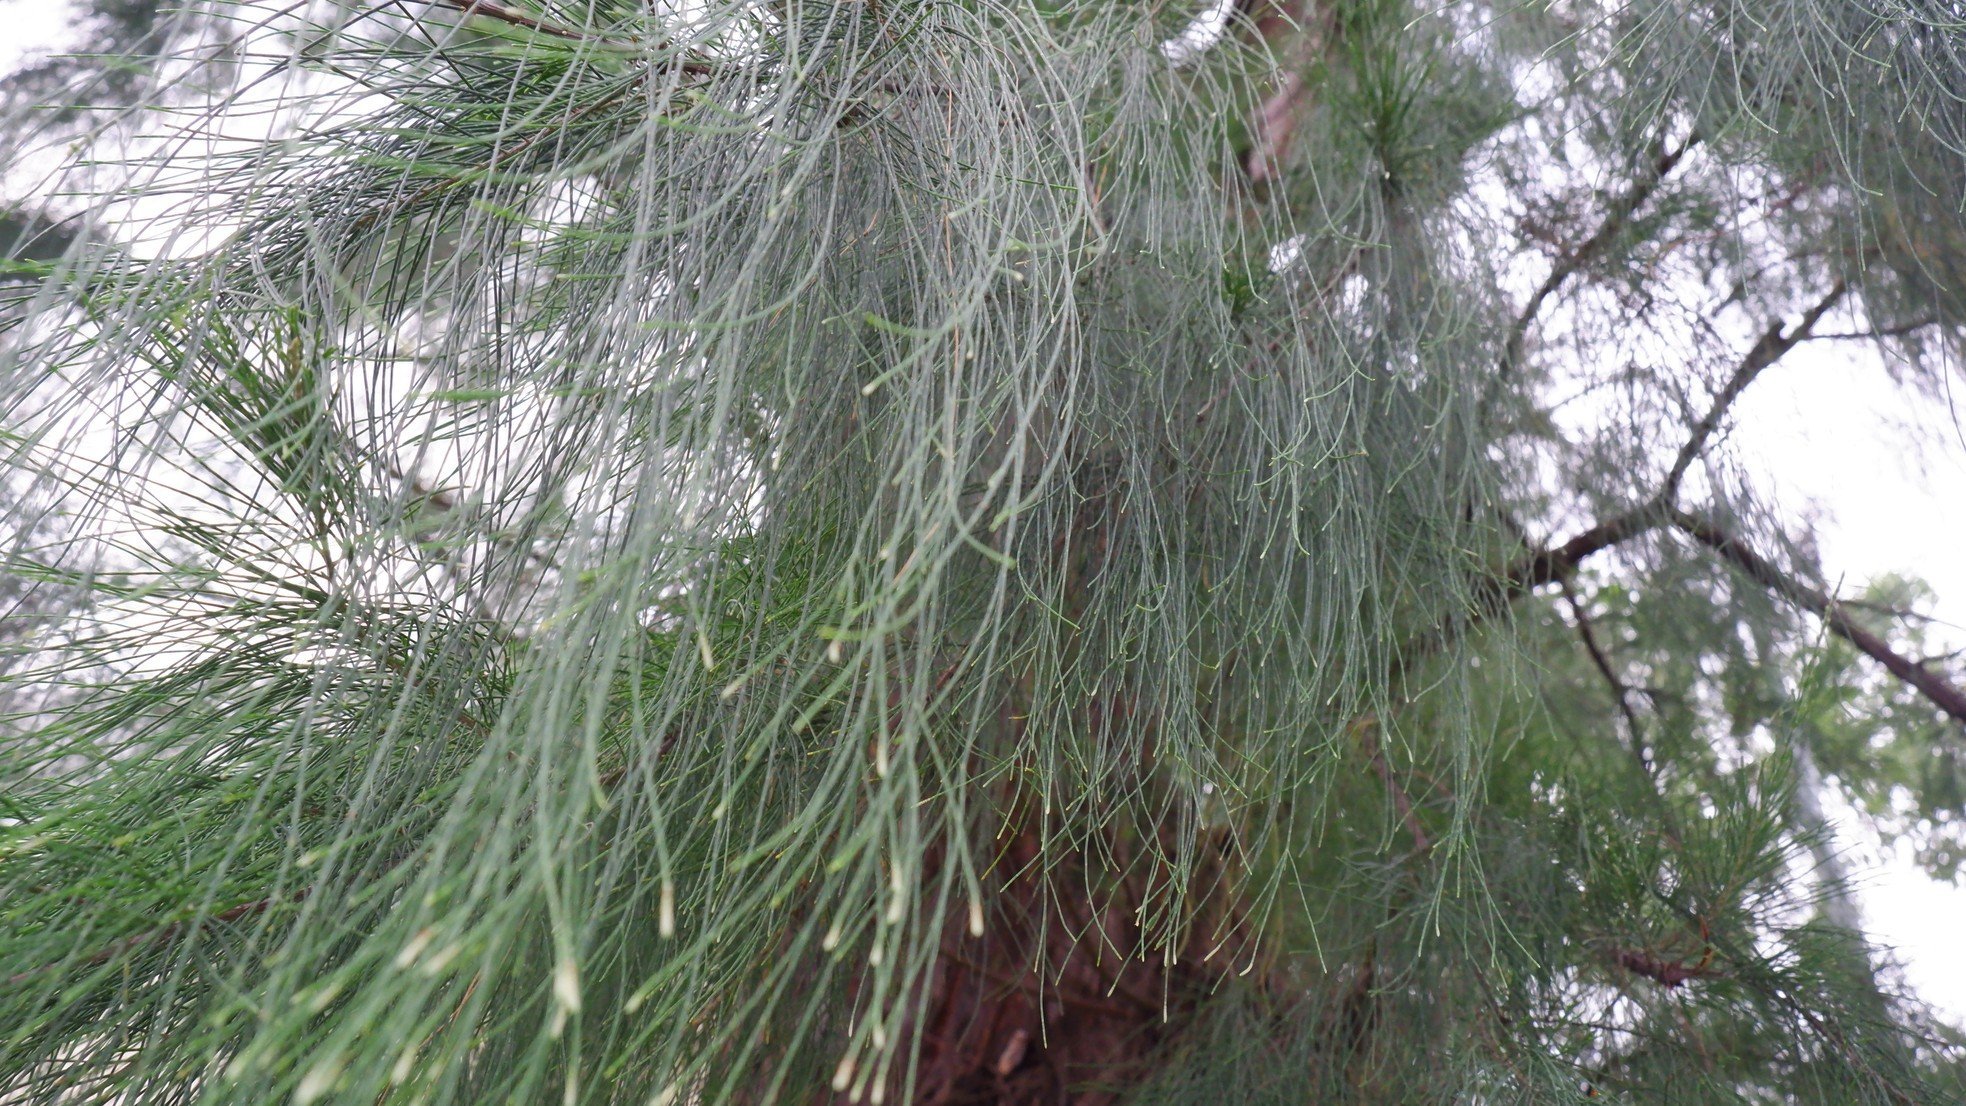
(1827, 432)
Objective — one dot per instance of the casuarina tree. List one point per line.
(812, 551)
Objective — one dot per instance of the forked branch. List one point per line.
(1617, 217)
(1560, 563)
(1730, 548)
(1557, 564)
(1768, 349)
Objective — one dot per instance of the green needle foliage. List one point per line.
(801, 551)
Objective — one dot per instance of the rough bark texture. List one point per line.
(1059, 1002)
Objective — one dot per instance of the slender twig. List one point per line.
(503, 14)
(161, 935)
(1617, 216)
(1767, 350)
(1890, 611)
(1875, 333)
(1402, 802)
(1620, 690)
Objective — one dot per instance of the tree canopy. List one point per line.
(759, 551)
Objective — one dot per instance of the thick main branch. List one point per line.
(1730, 548)
(1559, 563)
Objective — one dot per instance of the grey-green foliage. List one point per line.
(601, 527)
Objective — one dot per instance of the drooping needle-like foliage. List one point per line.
(793, 550)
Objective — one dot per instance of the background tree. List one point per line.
(960, 552)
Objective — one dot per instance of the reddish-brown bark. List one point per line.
(1060, 1001)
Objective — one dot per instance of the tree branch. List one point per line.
(491, 10)
(160, 935)
(1274, 128)
(1666, 973)
(1730, 548)
(1898, 331)
(1557, 564)
(1767, 350)
(1617, 217)
(1602, 661)
(1554, 565)
(1402, 802)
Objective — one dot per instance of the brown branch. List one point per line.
(160, 935)
(1539, 567)
(1271, 19)
(1559, 563)
(503, 14)
(1767, 350)
(1273, 131)
(1402, 802)
(1667, 973)
(1587, 631)
(1617, 217)
(1602, 661)
(1730, 548)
